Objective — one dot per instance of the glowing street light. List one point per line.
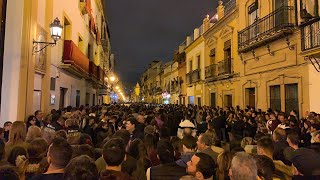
(112, 78)
(117, 87)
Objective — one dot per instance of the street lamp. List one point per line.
(112, 78)
(55, 31)
(117, 87)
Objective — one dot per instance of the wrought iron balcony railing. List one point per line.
(225, 67)
(267, 29)
(310, 33)
(210, 71)
(193, 76)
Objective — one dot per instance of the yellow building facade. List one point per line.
(69, 73)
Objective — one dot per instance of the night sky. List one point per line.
(146, 30)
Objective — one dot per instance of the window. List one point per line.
(199, 101)
(228, 100)
(253, 17)
(67, 29)
(89, 51)
(53, 84)
(213, 99)
(190, 66)
(198, 62)
(291, 97)
(275, 98)
(212, 56)
(77, 98)
(93, 99)
(80, 44)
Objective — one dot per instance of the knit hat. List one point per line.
(306, 161)
(186, 124)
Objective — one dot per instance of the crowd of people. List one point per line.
(161, 142)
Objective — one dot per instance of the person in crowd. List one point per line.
(36, 152)
(138, 151)
(59, 154)
(280, 144)
(31, 121)
(7, 127)
(189, 145)
(102, 131)
(201, 166)
(33, 132)
(243, 167)
(39, 117)
(113, 124)
(131, 127)
(186, 127)
(293, 140)
(81, 168)
(306, 164)
(14, 153)
(265, 167)
(114, 153)
(17, 136)
(150, 142)
(223, 165)
(168, 169)
(204, 144)
(272, 123)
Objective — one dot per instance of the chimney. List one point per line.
(206, 23)
(220, 9)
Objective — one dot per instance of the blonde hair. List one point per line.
(224, 163)
(17, 133)
(33, 132)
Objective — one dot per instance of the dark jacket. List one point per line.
(114, 175)
(279, 148)
(211, 153)
(184, 158)
(169, 171)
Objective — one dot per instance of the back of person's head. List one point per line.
(189, 142)
(61, 134)
(113, 152)
(205, 139)
(176, 143)
(33, 132)
(294, 138)
(165, 151)
(133, 121)
(14, 153)
(122, 134)
(205, 165)
(265, 144)
(17, 133)
(85, 139)
(81, 168)
(265, 167)
(37, 150)
(279, 134)
(164, 133)
(137, 149)
(243, 167)
(60, 152)
(9, 172)
(224, 163)
(88, 150)
(247, 141)
(2, 148)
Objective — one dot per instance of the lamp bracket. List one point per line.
(35, 43)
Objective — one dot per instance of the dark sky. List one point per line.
(146, 30)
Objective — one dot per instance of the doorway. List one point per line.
(87, 98)
(213, 99)
(228, 100)
(63, 92)
(191, 100)
(251, 97)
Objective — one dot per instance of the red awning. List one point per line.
(73, 55)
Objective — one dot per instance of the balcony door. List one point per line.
(281, 13)
(228, 100)
(63, 92)
(213, 100)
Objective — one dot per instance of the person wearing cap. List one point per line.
(186, 127)
(306, 164)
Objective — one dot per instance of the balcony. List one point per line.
(225, 67)
(211, 71)
(310, 33)
(73, 60)
(93, 71)
(267, 29)
(100, 74)
(193, 76)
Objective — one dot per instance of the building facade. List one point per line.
(69, 73)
